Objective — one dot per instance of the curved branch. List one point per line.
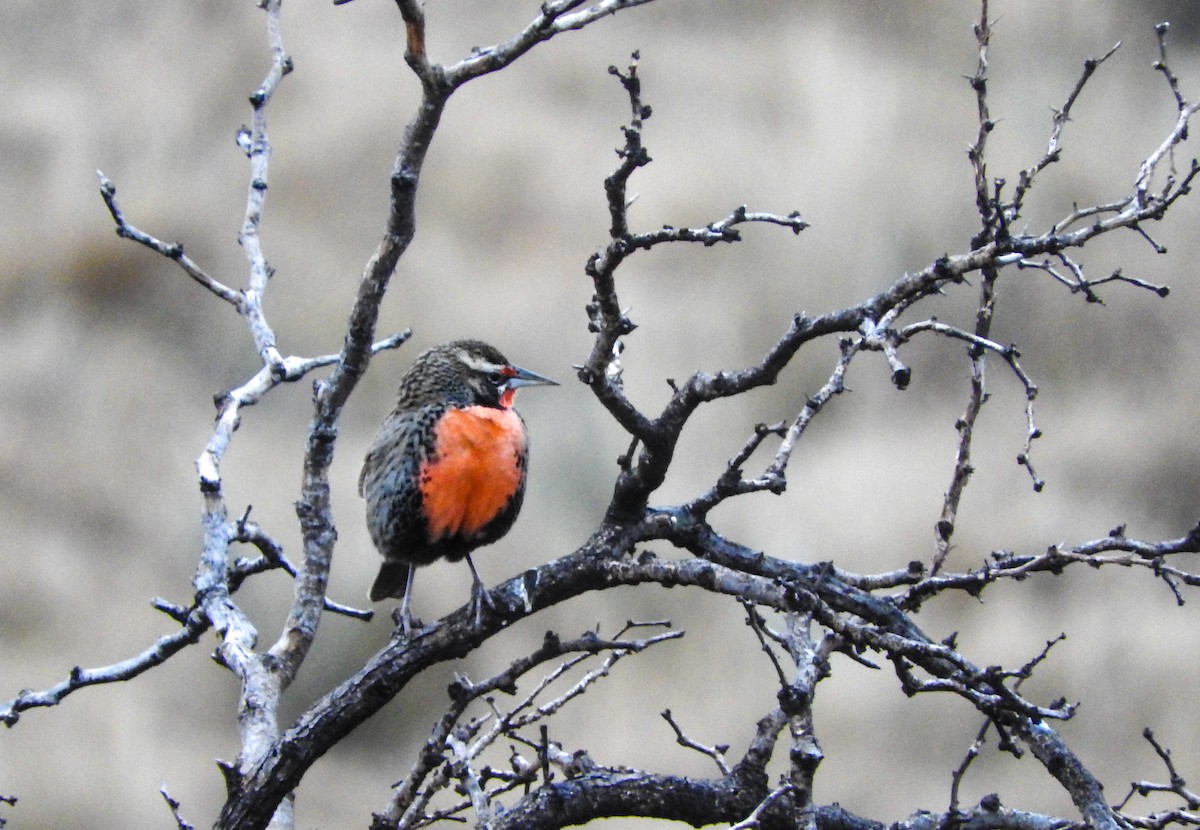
(154, 655)
(601, 563)
(171, 250)
(1006, 565)
(554, 18)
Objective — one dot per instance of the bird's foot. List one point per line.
(480, 598)
(403, 619)
(479, 594)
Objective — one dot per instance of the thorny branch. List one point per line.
(173, 806)
(602, 370)
(826, 610)
(716, 753)
(411, 796)
(993, 248)
(993, 227)
(1006, 742)
(869, 323)
(193, 624)
(1188, 815)
(1115, 549)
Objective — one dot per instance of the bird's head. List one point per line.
(467, 372)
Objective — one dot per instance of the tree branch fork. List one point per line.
(856, 616)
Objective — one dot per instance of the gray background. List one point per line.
(855, 113)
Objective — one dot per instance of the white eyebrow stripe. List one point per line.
(477, 363)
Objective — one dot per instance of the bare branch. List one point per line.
(171, 250)
(601, 371)
(1054, 146)
(944, 529)
(554, 18)
(1177, 784)
(977, 150)
(1006, 565)
(717, 753)
(754, 820)
(411, 795)
(1178, 134)
(193, 624)
(774, 477)
(759, 626)
(826, 610)
(156, 654)
(180, 823)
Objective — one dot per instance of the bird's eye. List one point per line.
(496, 378)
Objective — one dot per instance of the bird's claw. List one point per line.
(479, 598)
(403, 619)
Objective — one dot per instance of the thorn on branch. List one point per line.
(171, 609)
(174, 807)
(625, 460)
(243, 140)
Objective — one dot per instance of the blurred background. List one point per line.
(857, 114)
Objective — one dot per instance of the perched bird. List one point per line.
(446, 472)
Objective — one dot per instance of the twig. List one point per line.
(1160, 32)
(1010, 354)
(1114, 549)
(154, 655)
(610, 323)
(555, 17)
(1054, 147)
(193, 624)
(965, 425)
(1178, 134)
(960, 771)
(171, 250)
(992, 222)
(1177, 784)
(180, 823)
(463, 769)
(717, 753)
(977, 150)
(972, 753)
(273, 557)
(754, 820)
(616, 651)
(759, 626)
(773, 478)
(411, 795)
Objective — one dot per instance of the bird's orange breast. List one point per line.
(476, 468)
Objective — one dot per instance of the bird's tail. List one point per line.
(392, 579)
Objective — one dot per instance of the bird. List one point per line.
(446, 472)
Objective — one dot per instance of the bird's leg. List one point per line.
(479, 594)
(403, 615)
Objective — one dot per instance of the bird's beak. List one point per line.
(524, 377)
